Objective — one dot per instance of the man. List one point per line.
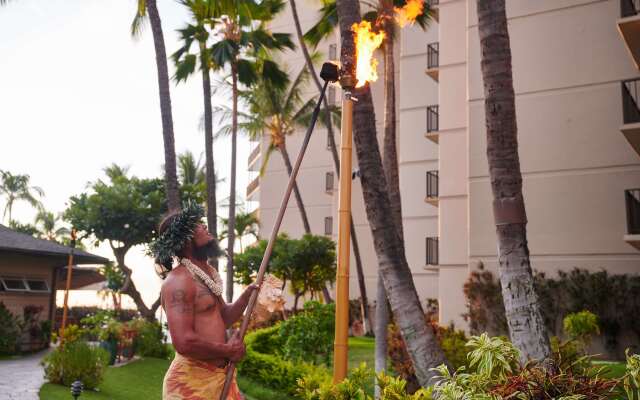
(196, 313)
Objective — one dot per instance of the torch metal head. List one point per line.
(330, 72)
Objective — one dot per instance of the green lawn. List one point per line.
(615, 369)
(143, 379)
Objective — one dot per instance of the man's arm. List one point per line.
(232, 312)
(179, 296)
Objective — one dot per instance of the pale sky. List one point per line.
(77, 93)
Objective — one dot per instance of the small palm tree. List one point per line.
(17, 188)
(246, 225)
(47, 224)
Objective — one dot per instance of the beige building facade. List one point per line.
(576, 79)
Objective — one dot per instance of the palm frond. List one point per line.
(265, 159)
(325, 26)
(139, 20)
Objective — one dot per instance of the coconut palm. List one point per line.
(526, 326)
(47, 224)
(241, 47)
(148, 9)
(422, 345)
(203, 13)
(17, 188)
(246, 225)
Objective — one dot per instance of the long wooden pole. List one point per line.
(340, 346)
(274, 234)
(65, 307)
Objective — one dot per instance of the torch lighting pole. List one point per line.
(340, 347)
(65, 307)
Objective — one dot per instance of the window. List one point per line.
(328, 182)
(13, 284)
(432, 184)
(432, 119)
(432, 251)
(333, 52)
(37, 285)
(328, 226)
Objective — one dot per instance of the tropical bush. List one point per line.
(72, 333)
(76, 361)
(631, 381)
(9, 331)
(308, 336)
(581, 326)
(149, 340)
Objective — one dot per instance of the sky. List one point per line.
(77, 93)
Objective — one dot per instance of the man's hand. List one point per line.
(251, 288)
(236, 347)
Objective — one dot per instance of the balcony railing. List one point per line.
(433, 55)
(432, 119)
(328, 182)
(253, 185)
(630, 101)
(328, 226)
(629, 8)
(253, 155)
(632, 201)
(432, 251)
(432, 184)
(433, 2)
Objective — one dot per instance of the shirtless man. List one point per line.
(196, 313)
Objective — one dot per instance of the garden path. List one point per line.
(21, 378)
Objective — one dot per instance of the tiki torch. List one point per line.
(65, 307)
(329, 73)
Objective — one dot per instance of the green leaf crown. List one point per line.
(177, 234)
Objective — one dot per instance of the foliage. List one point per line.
(612, 298)
(76, 361)
(631, 381)
(115, 278)
(31, 322)
(17, 187)
(246, 224)
(72, 333)
(149, 340)
(27, 229)
(309, 334)
(495, 373)
(270, 369)
(307, 263)
(9, 331)
(77, 313)
(48, 226)
(98, 325)
(581, 326)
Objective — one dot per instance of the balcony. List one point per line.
(433, 123)
(252, 189)
(328, 226)
(432, 188)
(629, 27)
(432, 253)
(328, 183)
(433, 5)
(433, 61)
(252, 161)
(632, 202)
(631, 112)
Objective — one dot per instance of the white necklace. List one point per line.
(214, 285)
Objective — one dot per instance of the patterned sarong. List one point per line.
(189, 379)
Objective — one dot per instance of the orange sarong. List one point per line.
(189, 379)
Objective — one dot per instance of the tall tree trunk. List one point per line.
(364, 301)
(526, 326)
(420, 339)
(212, 214)
(231, 225)
(170, 176)
(296, 191)
(382, 323)
(129, 287)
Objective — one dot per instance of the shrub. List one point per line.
(72, 333)
(308, 336)
(76, 361)
(581, 326)
(149, 340)
(9, 331)
(631, 380)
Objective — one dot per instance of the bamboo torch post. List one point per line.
(65, 307)
(329, 73)
(340, 347)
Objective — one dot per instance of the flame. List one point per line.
(409, 12)
(367, 42)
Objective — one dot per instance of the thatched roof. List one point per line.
(15, 242)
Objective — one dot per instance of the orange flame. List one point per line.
(409, 12)
(367, 42)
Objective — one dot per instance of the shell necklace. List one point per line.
(214, 285)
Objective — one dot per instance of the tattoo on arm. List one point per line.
(179, 302)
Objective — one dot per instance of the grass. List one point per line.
(615, 369)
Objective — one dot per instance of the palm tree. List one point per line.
(47, 222)
(421, 342)
(15, 188)
(203, 13)
(149, 9)
(526, 326)
(246, 225)
(242, 47)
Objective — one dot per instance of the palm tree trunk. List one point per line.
(171, 179)
(303, 212)
(364, 301)
(405, 304)
(382, 323)
(526, 326)
(212, 214)
(231, 225)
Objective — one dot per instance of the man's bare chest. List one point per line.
(205, 302)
